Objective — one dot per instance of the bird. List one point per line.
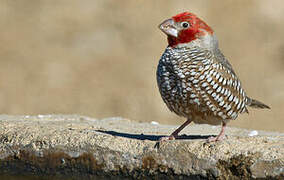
(195, 79)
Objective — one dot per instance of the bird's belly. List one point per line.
(180, 99)
(207, 118)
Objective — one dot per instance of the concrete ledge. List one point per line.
(77, 146)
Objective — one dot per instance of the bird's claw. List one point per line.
(164, 139)
(167, 138)
(215, 139)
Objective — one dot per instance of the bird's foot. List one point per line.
(167, 138)
(215, 139)
(164, 139)
(220, 136)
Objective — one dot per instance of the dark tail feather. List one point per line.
(256, 104)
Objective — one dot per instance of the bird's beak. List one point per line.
(168, 27)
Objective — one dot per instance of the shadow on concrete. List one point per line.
(149, 137)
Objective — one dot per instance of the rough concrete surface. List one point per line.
(74, 146)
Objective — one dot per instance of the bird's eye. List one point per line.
(185, 24)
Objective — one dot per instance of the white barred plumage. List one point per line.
(197, 75)
(195, 79)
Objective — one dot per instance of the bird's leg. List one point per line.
(175, 133)
(220, 136)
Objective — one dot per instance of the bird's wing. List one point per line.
(214, 82)
(222, 59)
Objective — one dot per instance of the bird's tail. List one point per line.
(256, 104)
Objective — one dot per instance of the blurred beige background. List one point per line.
(99, 58)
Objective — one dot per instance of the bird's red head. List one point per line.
(184, 28)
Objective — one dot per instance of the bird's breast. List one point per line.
(194, 82)
(178, 91)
